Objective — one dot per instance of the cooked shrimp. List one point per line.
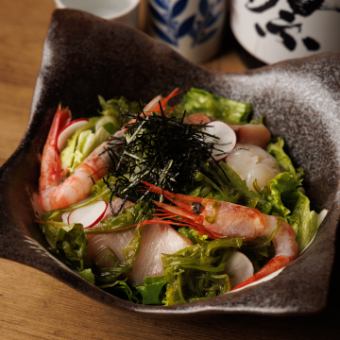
(56, 192)
(220, 219)
(253, 165)
(158, 104)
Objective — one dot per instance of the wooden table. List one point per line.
(35, 305)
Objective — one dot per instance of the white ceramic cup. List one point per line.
(125, 11)
(192, 27)
(274, 30)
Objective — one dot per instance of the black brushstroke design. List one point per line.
(311, 44)
(305, 7)
(267, 5)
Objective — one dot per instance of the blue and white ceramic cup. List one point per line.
(192, 27)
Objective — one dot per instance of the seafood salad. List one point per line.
(184, 198)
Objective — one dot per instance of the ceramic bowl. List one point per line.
(85, 56)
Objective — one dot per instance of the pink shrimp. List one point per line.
(56, 191)
(160, 105)
(220, 219)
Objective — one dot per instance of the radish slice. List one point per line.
(152, 103)
(225, 140)
(239, 268)
(68, 131)
(89, 215)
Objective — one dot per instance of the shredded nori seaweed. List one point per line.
(159, 149)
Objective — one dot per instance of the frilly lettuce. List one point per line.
(230, 111)
(66, 241)
(287, 197)
(118, 108)
(198, 271)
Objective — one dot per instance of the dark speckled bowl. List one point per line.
(85, 56)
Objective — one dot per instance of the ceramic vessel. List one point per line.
(299, 99)
(192, 28)
(125, 11)
(275, 30)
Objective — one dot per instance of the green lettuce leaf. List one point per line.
(304, 221)
(286, 164)
(152, 290)
(288, 200)
(198, 271)
(119, 109)
(230, 111)
(127, 219)
(67, 241)
(88, 275)
(280, 193)
(122, 289)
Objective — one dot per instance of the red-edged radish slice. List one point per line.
(88, 215)
(69, 130)
(65, 216)
(239, 268)
(225, 140)
(152, 103)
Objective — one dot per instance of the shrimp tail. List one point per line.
(61, 118)
(51, 170)
(272, 266)
(161, 105)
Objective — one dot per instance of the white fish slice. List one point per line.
(116, 242)
(156, 240)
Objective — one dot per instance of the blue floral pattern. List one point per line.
(200, 26)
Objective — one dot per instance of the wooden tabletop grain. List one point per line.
(34, 305)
